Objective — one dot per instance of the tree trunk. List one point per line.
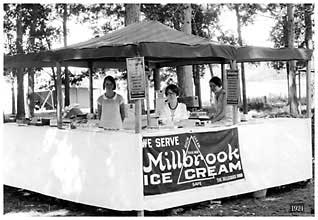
(240, 41)
(132, 13)
(59, 95)
(20, 93)
(31, 70)
(308, 25)
(65, 24)
(132, 16)
(196, 79)
(180, 79)
(309, 45)
(238, 22)
(55, 88)
(292, 73)
(13, 110)
(184, 73)
(66, 73)
(53, 77)
(31, 91)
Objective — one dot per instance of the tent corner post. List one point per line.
(245, 109)
(147, 97)
(141, 213)
(59, 95)
(90, 88)
(137, 116)
(156, 78)
(308, 89)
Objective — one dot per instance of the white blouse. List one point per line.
(169, 116)
(110, 117)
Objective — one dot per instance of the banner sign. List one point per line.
(232, 97)
(136, 78)
(188, 160)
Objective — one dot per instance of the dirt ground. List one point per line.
(20, 202)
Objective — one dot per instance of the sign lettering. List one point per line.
(232, 87)
(136, 78)
(184, 161)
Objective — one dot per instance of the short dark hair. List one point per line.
(174, 88)
(216, 80)
(111, 79)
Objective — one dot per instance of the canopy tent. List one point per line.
(159, 44)
(258, 54)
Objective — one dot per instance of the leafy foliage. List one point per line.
(102, 17)
(31, 14)
(169, 14)
(279, 31)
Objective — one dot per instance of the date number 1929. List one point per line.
(297, 207)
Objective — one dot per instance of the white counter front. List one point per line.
(273, 152)
(105, 168)
(98, 168)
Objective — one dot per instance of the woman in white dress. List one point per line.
(172, 111)
(110, 105)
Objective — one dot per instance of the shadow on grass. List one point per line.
(20, 202)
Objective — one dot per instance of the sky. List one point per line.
(256, 34)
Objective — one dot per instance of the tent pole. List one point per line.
(308, 89)
(90, 88)
(59, 95)
(235, 107)
(141, 213)
(211, 69)
(137, 116)
(223, 73)
(20, 93)
(287, 71)
(156, 79)
(52, 97)
(197, 84)
(13, 109)
(147, 96)
(66, 87)
(233, 66)
(299, 92)
(244, 90)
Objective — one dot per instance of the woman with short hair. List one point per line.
(223, 111)
(173, 111)
(110, 105)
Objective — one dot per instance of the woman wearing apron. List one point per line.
(110, 105)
